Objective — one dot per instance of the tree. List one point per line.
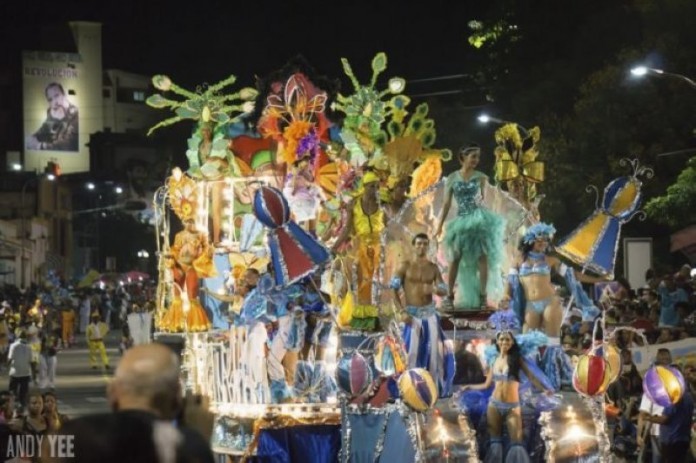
(677, 208)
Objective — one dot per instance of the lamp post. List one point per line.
(640, 71)
(485, 119)
(22, 221)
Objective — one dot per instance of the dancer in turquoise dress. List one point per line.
(474, 238)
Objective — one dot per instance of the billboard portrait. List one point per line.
(52, 114)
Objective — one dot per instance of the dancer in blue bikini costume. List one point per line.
(504, 405)
(533, 296)
(474, 239)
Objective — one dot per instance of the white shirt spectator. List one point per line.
(651, 408)
(20, 359)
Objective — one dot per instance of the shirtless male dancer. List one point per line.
(418, 279)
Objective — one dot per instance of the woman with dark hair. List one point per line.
(504, 404)
(534, 296)
(54, 418)
(474, 239)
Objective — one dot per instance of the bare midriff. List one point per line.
(537, 287)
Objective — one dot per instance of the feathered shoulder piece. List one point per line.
(182, 194)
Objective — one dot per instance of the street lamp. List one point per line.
(485, 119)
(22, 221)
(118, 190)
(143, 254)
(640, 71)
(90, 186)
(16, 166)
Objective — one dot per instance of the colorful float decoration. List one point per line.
(285, 327)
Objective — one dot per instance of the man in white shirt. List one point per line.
(648, 408)
(20, 368)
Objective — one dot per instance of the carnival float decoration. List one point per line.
(298, 205)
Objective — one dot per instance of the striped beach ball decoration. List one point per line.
(611, 353)
(353, 374)
(592, 375)
(417, 389)
(664, 386)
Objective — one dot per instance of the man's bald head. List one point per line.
(147, 378)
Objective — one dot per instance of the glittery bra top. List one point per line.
(466, 192)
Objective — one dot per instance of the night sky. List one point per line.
(206, 41)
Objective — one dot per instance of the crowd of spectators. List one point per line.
(660, 312)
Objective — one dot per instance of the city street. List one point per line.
(80, 389)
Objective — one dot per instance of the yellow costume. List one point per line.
(95, 339)
(192, 260)
(367, 229)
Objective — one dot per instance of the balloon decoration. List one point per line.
(294, 253)
(592, 375)
(417, 389)
(353, 374)
(390, 358)
(664, 386)
(613, 357)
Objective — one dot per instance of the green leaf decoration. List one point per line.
(415, 125)
(165, 123)
(158, 101)
(429, 124)
(446, 154)
(194, 141)
(221, 118)
(400, 101)
(422, 109)
(222, 84)
(187, 113)
(428, 138)
(381, 138)
(349, 72)
(394, 129)
(162, 82)
(379, 65)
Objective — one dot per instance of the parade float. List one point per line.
(284, 251)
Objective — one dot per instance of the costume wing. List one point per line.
(417, 215)
(421, 215)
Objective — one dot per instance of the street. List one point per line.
(80, 389)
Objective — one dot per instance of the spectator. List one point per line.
(675, 428)
(34, 422)
(651, 279)
(665, 336)
(95, 340)
(687, 318)
(145, 396)
(642, 322)
(670, 294)
(48, 361)
(54, 418)
(68, 324)
(20, 368)
(683, 278)
(649, 431)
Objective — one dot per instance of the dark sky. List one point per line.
(205, 41)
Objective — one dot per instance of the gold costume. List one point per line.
(192, 260)
(367, 229)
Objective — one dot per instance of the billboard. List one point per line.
(55, 103)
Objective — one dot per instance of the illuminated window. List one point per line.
(138, 96)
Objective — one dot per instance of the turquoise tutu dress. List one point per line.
(473, 232)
